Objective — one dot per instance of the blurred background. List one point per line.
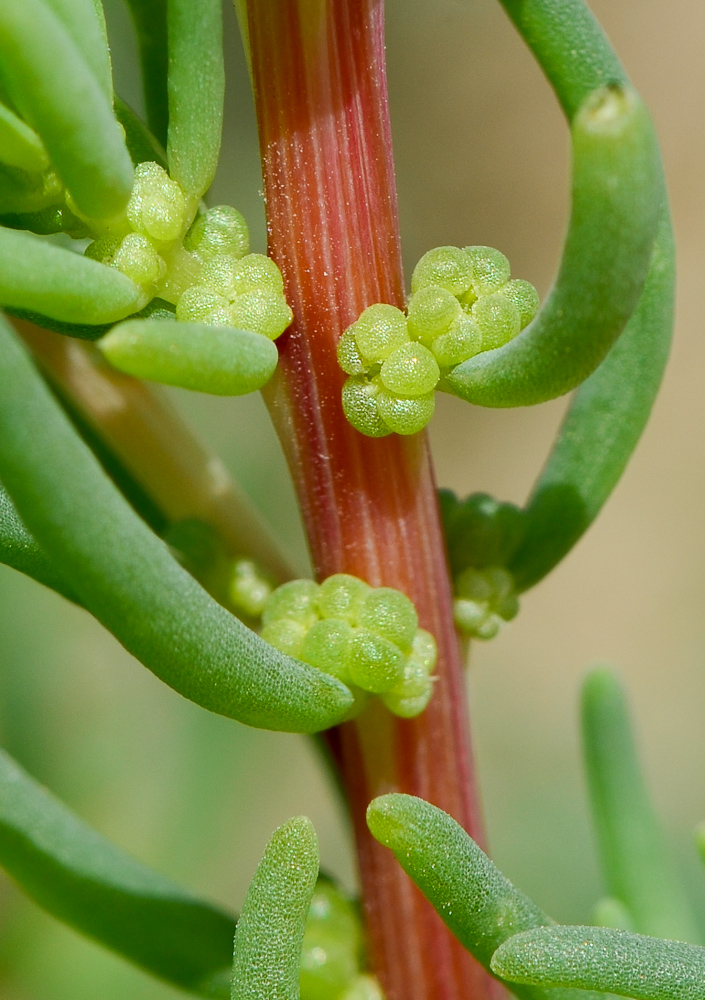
(482, 158)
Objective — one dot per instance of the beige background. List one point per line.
(482, 158)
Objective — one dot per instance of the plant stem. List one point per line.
(369, 505)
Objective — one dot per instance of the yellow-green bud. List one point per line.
(220, 230)
(255, 271)
(379, 331)
(295, 600)
(490, 269)
(286, 635)
(360, 407)
(498, 320)
(374, 663)
(138, 260)
(432, 311)
(446, 267)
(342, 596)
(391, 614)
(263, 311)
(157, 206)
(405, 416)
(201, 305)
(410, 371)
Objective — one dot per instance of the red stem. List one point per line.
(369, 505)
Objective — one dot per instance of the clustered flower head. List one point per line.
(462, 302)
(367, 637)
(203, 267)
(484, 599)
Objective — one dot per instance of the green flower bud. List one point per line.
(248, 589)
(332, 909)
(410, 371)
(201, 305)
(286, 635)
(326, 647)
(157, 206)
(470, 615)
(349, 357)
(415, 683)
(463, 340)
(328, 964)
(409, 706)
(295, 600)
(217, 274)
(342, 596)
(220, 230)
(363, 987)
(391, 614)
(473, 585)
(379, 331)
(375, 664)
(263, 311)
(446, 267)
(359, 400)
(254, 272)
(103, 250)
(138, 260)
(405, 416)
(498, 320)
(424, 650)
(490, 269)
(525, 298)
(489, 628)
(183, 271)
(432, 311)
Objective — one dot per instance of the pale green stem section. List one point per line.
(270, 931)
(636, 863)
(126, 577)
(599, 958)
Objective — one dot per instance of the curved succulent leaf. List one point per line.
(126, 577)
(616, 196)
(55, 91)
(600, 958)
(270, 930)
(85, 22)
(214, 359)
(149, 17)
(480, 906)
(196, 92)
(20, 551)
(38, 276)
(637, 867)
(20, 146)
(85, 881)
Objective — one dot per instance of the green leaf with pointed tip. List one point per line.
(39, 276)
(82, 879)
(196, 92)
(480, 906)
(55, 91)
(600, 958)
(616, 195)
(271, 927)
(20, 146)
(126, 577)
(637, 867)
(83, 22)
(612, 407)
(215, 359)
(142, 146)
(149, 17)
(20, 551)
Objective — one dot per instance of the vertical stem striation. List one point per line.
(369, 505)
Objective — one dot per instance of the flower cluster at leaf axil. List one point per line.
(484, 599)
(203, 267)
(462, 302)
(367, 637)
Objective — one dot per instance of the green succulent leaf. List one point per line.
(21, 191)
(20, 146)
(637, 867)
(214, 359)
(85, 22)
(149, 17)
(142, 145)
(270, 930)
(615, 206)
(55, 90)
(480, 906)
(611, 407)
(126, 577)
(82, 879)
(40, 277)
(196, 92)
(601, 958)
(19, 550)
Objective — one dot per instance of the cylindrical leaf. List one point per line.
(600, 958)
(88, 883)
(59, 283)
(615, 206)
(85, 23)
(270, 930)
(635, 860)
(196, 91)
(20, 146)
(149, 17)
(56, 91)
(126, 577)
(213, 359)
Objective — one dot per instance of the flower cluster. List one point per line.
(462, 302)
(484, 599)
(367, 637)
(332, 956)
(204, 267)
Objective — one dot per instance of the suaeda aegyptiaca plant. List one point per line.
(184, 574)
